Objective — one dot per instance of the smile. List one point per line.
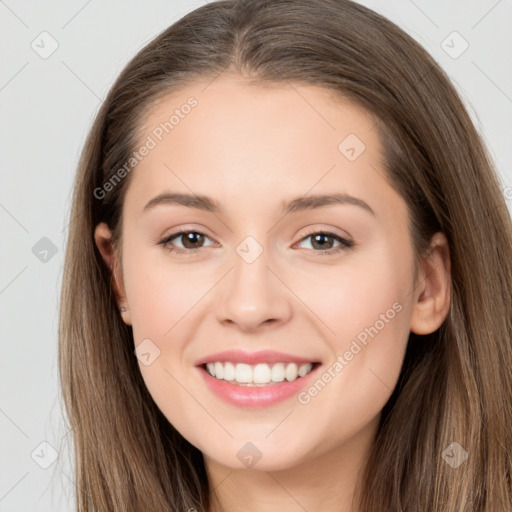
(261, 374)
(250, 395)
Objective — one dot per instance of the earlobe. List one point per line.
(103, 239)
(432, 294)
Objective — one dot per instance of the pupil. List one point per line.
(189, 239)
(316, 239)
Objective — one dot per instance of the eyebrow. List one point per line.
(208, 204)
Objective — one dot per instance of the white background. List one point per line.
(47, 106)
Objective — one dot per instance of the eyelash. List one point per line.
(344, 243)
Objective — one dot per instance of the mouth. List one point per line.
(258, 375)
(256, 379)
(257, 386)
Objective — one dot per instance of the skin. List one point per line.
(253, 148)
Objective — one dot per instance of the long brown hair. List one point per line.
(455, 384)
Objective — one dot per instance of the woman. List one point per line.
(215, 352)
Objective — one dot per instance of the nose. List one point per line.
(253, 296)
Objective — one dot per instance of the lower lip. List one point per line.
(249, 396)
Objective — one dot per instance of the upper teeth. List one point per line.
(258, 374)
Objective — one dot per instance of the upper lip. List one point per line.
(263, 356)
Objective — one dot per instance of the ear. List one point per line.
(433, 288)
(103, 239)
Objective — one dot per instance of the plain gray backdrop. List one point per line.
(58, 60)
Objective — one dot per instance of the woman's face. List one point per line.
(276, 267)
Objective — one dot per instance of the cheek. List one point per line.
(369, 310)
(365, 307)
(164, 300)
(364, 293)
(160, 292)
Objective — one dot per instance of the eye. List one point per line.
(324, 240)
(192, 241)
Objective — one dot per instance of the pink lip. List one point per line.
(263, 356)
(253, 397)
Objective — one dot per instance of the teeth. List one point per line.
(229, 371)
(219, 370)
(259, 374)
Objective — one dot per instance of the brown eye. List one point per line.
(323, 242)
(191, 241)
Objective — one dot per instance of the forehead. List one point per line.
(241, 141)
(231, 108)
